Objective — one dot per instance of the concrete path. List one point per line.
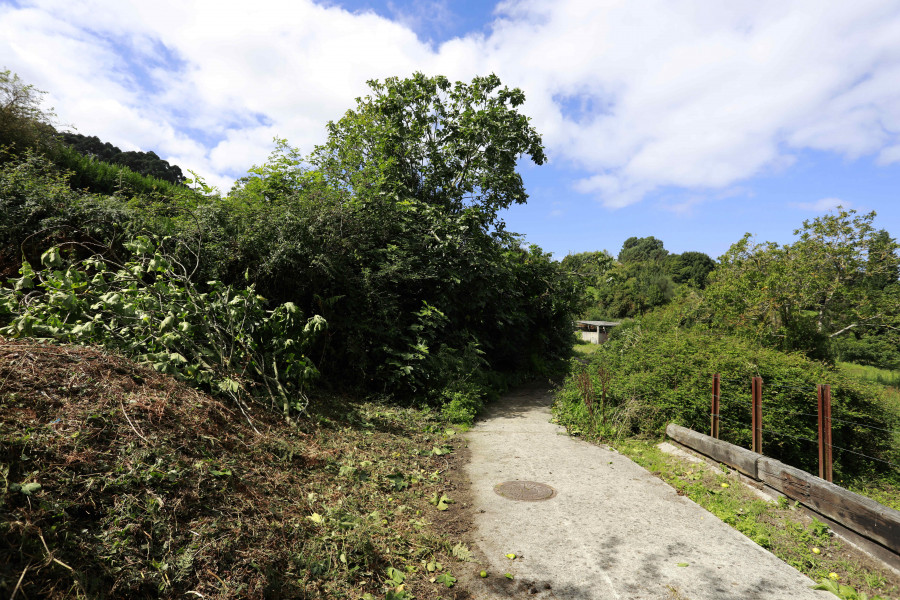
(613, 530)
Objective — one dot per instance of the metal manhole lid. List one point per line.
(530, 491)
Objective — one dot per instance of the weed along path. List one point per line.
(610, 530)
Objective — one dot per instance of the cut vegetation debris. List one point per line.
(117, 481)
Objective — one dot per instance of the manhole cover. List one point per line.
(525, 490)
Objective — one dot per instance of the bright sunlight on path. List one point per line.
(612, 531)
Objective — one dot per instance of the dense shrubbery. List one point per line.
(95, 175)
(878, 348)
(659, 369)
(390, 231)
(218, 338)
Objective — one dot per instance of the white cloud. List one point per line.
(640, 94)
(889, 155)
(823, 205)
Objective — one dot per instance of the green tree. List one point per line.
(691, 268)
(646, 249)
(832, 280)
(449, 145)
(145, 163)
(23, 123)
(390, 231)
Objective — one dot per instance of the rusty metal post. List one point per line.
(756, 413)
(820, 392)
(826, 404)
(715, 407)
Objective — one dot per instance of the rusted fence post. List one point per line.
(756, 413)
(715, 407)
(824, 393)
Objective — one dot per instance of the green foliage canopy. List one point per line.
(840, 275)
(448, 145)
(645, 276)
(145, 163)
(390, 231)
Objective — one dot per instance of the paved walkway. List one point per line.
(613, 530)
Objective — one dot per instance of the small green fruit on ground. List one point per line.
(483, 573)
(816, 551)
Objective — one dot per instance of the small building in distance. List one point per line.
(595, 332)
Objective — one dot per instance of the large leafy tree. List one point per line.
(646, 249)
(452, 146)
(839, 276)
(691, 268)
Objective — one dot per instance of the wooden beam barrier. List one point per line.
(858, 513)
(862, 516)
(734, 456)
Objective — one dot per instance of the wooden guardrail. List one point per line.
(862, 516)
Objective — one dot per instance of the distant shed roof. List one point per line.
(599, 323)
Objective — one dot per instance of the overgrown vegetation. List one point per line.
(145, 163)
(841, 277)
(782, 313)
(222, 339)
(659, 370)
(375, 266)
(390, 232)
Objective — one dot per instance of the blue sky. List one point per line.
(694, 121)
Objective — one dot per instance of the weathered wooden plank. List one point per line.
(734, 456)
(863, 515)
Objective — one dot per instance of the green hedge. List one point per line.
(660, 370)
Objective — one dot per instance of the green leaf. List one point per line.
(29, 488)
(446, 578)
(51, 258)
(442, 501)
(462, 552)
(395, 576)
(398, 481)
(316, 518)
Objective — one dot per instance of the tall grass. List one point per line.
(873, 374)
